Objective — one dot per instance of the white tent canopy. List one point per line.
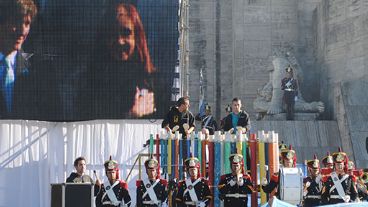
(35, 154)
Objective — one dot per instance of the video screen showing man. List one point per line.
(17, 85)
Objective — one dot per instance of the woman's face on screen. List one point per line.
(123, 44)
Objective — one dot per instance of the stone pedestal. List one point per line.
(297, 117)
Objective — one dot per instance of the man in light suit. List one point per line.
(17, 88)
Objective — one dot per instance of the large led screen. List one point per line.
(89, 59)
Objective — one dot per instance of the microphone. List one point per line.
(94, 172)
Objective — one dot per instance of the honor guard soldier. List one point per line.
(362, 186)
(290, 87)
(328, 166)
(193, 191)
(288, 160)
(328, 161)
(113, 192)
(235, 186)
(152, 192)
(312, 184)
(339, 187)
(208, 122)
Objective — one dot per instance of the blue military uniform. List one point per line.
(152, 192)
(313, 185)
(113, 194)
(193, 192)
(232, 191)
(290, 87)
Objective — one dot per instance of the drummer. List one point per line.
(288, 160)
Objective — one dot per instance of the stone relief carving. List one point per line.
(269, 97)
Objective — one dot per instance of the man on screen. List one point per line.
(16, 82)
(122, 75)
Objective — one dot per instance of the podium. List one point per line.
(72, 195)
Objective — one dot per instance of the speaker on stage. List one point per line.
(72, 195)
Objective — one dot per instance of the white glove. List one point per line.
(201, 204)
(318, 178)
(295, 98)
(347, 199)
(264, 181)
(307, 184)
(232, 182)
(240, 182)
(175, 128)
(164, 204)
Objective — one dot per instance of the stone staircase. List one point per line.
(306, 137)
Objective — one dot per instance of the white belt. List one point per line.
(336, 196)
(190, 203)
(289, 89)
(151, 203)
(313, 196)
(108, 203)
(236, 195)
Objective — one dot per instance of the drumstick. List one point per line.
(94, 172)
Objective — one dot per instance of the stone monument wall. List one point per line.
(232, 41)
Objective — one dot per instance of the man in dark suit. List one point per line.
(17, 88)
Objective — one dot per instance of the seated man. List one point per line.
(195, 190)
(113, 192)
(235, 186)
(153, 190)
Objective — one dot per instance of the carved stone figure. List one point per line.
(269, 97)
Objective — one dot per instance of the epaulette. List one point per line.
(163, 182)
(181, 183)
(306, 179)
(353, 178)
(123, 184)
(138, 183)
(247, 176)
(205, 181)
(324, 179)
(275, 178)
